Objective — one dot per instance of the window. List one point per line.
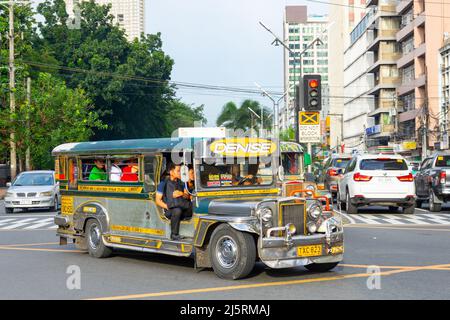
(93, 169)
(73, 174)
(322, 62)
(443, 161)
(120, 18)
(351, 166)
(383, 164)
(124, 169)
(308, 70)
(150, 165)
(322, 54)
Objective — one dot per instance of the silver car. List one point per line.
(33, 189)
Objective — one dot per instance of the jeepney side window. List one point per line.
(124, 169)
(73, 173)
(93, 169)
(150, 172)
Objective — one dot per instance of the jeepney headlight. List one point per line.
(315, 211)
(312, 227)
(311, 188)
(265, 214)
(291, 228)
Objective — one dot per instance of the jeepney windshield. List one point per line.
(291, 163)
(241, 172)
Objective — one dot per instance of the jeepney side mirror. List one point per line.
(281, 173)
(184, 173)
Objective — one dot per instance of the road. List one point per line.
(412, 254)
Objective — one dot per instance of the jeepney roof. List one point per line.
(288, 146)
(124, 146)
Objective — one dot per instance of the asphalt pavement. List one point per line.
(391, 259)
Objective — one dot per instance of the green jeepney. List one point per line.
(235, 222)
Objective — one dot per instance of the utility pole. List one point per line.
(12, 89)
(28, 153)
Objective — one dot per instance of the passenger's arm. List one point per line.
(159, 201)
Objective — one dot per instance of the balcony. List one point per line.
(408, 58)
(403, 5)
(409, 28)
(385, 83)
(408, 115)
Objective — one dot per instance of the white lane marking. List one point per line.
(368, 221)
(18, 224)
(18, 215)
(435, 219)
(393, 221)
(6, 221)
(41, 223)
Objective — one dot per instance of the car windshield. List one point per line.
(34, 179)
(291, 164)
(340, 163)
(383, 164)
(443, 161)
(240, 173)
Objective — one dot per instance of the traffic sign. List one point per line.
(308, 118)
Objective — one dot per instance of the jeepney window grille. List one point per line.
(240, 173)
(73, 173)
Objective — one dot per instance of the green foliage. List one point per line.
(235, 118)
(182, 115)
(287, 134)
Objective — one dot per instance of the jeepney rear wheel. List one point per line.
(95, 245)
(321, 267)
(233, 253)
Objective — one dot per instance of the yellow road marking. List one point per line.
(269, 284)
(363, 266)
(35, 249)
(28, 244)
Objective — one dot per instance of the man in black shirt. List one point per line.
(178, 205)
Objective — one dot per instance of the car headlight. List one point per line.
(315, 211)
(10, 194)
(265, 214)
(46, 194)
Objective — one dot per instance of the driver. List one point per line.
(248, 180)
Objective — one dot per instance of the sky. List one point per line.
(221, 43)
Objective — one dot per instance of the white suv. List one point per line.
(383, 180)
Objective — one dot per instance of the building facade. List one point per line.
(424, 25)
(299, 31)
(128, 14)
(371, 78)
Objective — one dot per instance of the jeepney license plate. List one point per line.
(309, 251)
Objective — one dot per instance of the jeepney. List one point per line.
(234, 223)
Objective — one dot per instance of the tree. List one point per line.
(56, 115)
(127, 82)
(235, 118)
(183, 115)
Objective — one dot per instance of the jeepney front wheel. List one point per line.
(95, 245)
(233, 253)
(321, 267)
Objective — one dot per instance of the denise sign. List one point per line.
(243, 147)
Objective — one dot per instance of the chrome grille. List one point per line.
(293, 213)
(21, 194)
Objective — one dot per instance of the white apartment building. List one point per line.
(299, 31)
(129, 14)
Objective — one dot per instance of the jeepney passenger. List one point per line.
(98, 171)
(116, 171)
(130, 172)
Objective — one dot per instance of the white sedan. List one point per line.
(33, 189)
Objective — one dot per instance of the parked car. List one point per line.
(433, 181)
(332, 169)
(33, 189)
(382, 180)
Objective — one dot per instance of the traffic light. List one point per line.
(310, 96)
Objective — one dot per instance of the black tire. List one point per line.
(393, 208)
(95, 245)
(340, 202)
(409, 210)
(434, 207)
(9, 210)
(242, 257)
(351, 208)
(321, 267)
(55, 205)
(419, 203)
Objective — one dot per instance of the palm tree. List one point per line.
(235, 118)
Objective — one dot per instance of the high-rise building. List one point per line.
(344, 15)
(444, 97)
(424, 25)
(371, 78)
(300, 29)
(129, 14)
